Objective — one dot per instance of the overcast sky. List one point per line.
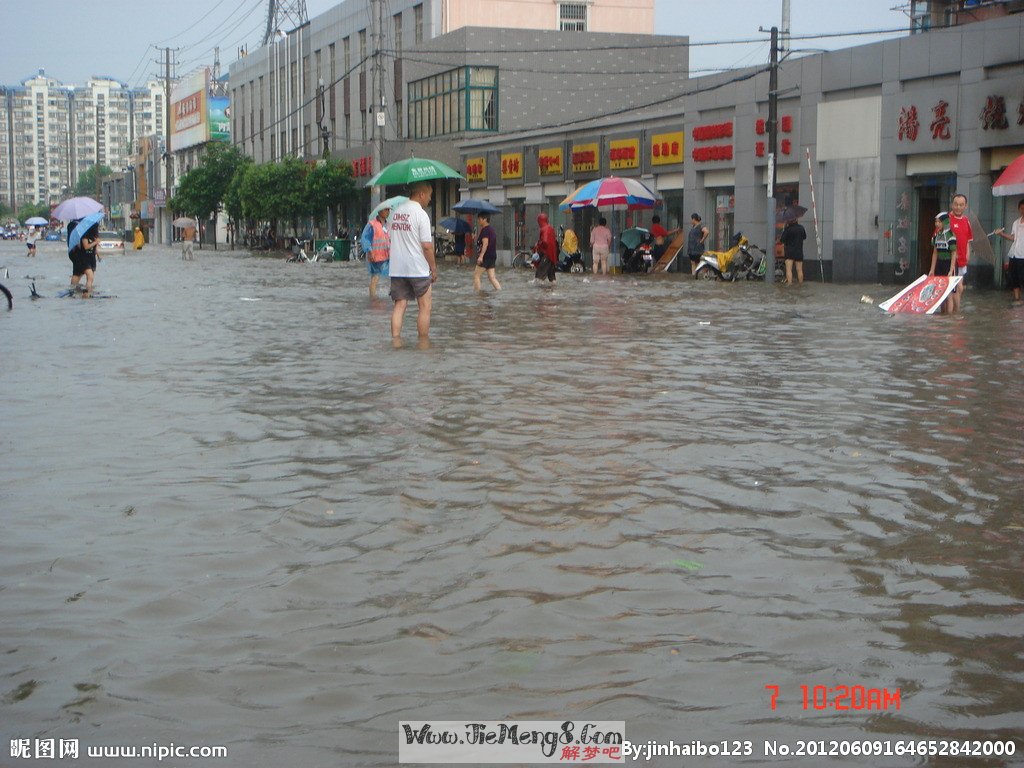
(73, 39)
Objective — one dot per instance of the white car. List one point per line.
(110, 242)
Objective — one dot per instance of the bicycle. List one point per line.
(299, 255)
(523, 260)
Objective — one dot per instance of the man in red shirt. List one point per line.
(961, 227)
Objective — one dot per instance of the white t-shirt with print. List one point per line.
(409, 227)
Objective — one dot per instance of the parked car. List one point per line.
(111, 242)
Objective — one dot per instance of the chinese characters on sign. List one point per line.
(667, 148)
(713, 152)
(901, 233)
(362, 166)
(624, 153)
(993, 116)
(512, 165)
(909, 125)
(549, 162)
(476, 170)
(584, 157)
(940, 125)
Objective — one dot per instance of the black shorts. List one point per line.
(1016, 273)
(942, 266)
(82, 262)
(794, 257)
(695, 257)
(489, 261)
(409, 288)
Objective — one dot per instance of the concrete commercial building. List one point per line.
(371, 89)
(886, 132)
(50, 133)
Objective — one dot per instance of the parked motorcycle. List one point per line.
(640, 259)
(742, 261)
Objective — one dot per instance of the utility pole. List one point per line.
(379, 120)
(168, 159)
(773, 141)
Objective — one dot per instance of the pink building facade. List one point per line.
(621, 16)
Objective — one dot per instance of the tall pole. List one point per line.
(168, 159)
(773, 139)
(377, 100)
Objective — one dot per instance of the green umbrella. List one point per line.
(411, 170)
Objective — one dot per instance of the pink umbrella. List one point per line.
(1010, 181)
(614, 192)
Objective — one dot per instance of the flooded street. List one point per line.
(234, 515)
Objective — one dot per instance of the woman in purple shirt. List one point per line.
(487, 247)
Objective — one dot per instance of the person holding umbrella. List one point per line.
(376, 243)
(792, 239)
(83, 237)
(412, 268)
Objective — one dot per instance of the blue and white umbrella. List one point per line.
(82, 227)
(469, 205)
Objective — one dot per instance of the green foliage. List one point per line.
(6, 212)
(201, 190)
(86, 184)
(233, 194)
(28, 210)
(329, 185)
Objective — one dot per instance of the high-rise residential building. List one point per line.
(50, 133)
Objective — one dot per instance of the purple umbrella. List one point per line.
(76, 208)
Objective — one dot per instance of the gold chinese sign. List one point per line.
(476, 169)
(624, 154)
(512, 165)
(584, 157)
(667, 148)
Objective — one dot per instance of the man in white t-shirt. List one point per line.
(413, 270)
(1015, 258)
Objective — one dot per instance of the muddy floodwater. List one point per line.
(233, 514)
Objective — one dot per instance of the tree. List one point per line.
(28, 210)
(329, 185)
(201, 190)
(86, 185)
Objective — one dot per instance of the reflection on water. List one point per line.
(234, 514)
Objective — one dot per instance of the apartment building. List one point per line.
(50, 133)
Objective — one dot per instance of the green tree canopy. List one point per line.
(274, 191)
(86, 184)
(233, 194)
(329, 185)
(202, 190)
(28, 210)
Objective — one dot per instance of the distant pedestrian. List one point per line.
(792, 239)
(413, 268)
(33, 235)
(961, 227)
(187, 238)
(487, 247)
(601, 245)
(547, 249)
(1015, 256)
(139, 240)
(695, 240)
(376, 244)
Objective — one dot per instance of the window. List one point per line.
(464, 99)
(398, 33)
(417, 14)
(347, 45)
(572, 17)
